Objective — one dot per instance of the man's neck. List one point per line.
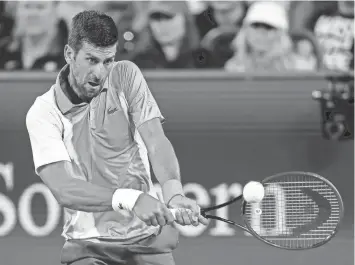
(71, 90)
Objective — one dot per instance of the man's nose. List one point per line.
(99, 71)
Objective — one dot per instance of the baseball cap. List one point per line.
(270, 13)
(167, 7)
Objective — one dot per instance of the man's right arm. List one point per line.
(54, 166)
(74, 193)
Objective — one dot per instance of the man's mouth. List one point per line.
(93, 84)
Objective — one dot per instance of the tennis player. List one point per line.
(91, 135)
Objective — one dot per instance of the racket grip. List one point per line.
(174, 211)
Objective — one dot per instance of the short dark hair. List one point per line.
(93, 27)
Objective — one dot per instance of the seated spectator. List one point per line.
(173, 40)
(38, 39)
(221, 14)
(263, 43)
(334, 30)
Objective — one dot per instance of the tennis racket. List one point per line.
(300, 210)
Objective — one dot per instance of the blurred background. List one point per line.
(249, 89)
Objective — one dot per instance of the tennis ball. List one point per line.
(253, 191)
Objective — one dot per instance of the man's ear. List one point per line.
(69, 54)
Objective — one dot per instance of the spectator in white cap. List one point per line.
(263, 43)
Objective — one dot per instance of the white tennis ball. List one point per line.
(253, 191)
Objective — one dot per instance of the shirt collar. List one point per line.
(63, 102)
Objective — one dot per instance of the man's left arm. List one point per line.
(146, 115)
(166, 168)
(162, 158)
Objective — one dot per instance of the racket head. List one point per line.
(300, 210)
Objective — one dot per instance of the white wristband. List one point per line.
(125, 199)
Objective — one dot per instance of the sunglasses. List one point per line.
(262, 25)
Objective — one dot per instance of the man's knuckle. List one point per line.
(158, 213)
(151, 216)
(144, 217)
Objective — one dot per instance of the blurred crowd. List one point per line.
(238, 36)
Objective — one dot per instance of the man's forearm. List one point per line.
(72, 192)
(84, 196)
(166, 168)
(164, 162)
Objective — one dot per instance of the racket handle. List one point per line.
(174, 211)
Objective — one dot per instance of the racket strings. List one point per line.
(289, 216)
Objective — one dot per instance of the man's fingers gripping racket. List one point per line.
(176, 211)
(200, 219)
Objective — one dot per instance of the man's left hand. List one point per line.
(189, 213)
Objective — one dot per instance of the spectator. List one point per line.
(334, 30)
(38, 39)
(173, 39)
(220, 14)
(264, 43)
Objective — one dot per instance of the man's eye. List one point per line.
(92, 60)
(109, 61)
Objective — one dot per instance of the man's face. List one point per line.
(89, 68)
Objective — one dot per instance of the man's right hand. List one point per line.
(152, 211)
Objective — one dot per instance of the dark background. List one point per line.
(226, 130)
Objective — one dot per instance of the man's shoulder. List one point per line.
(124, 68)
(43, 108)
(123, 75)
(46, 100)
